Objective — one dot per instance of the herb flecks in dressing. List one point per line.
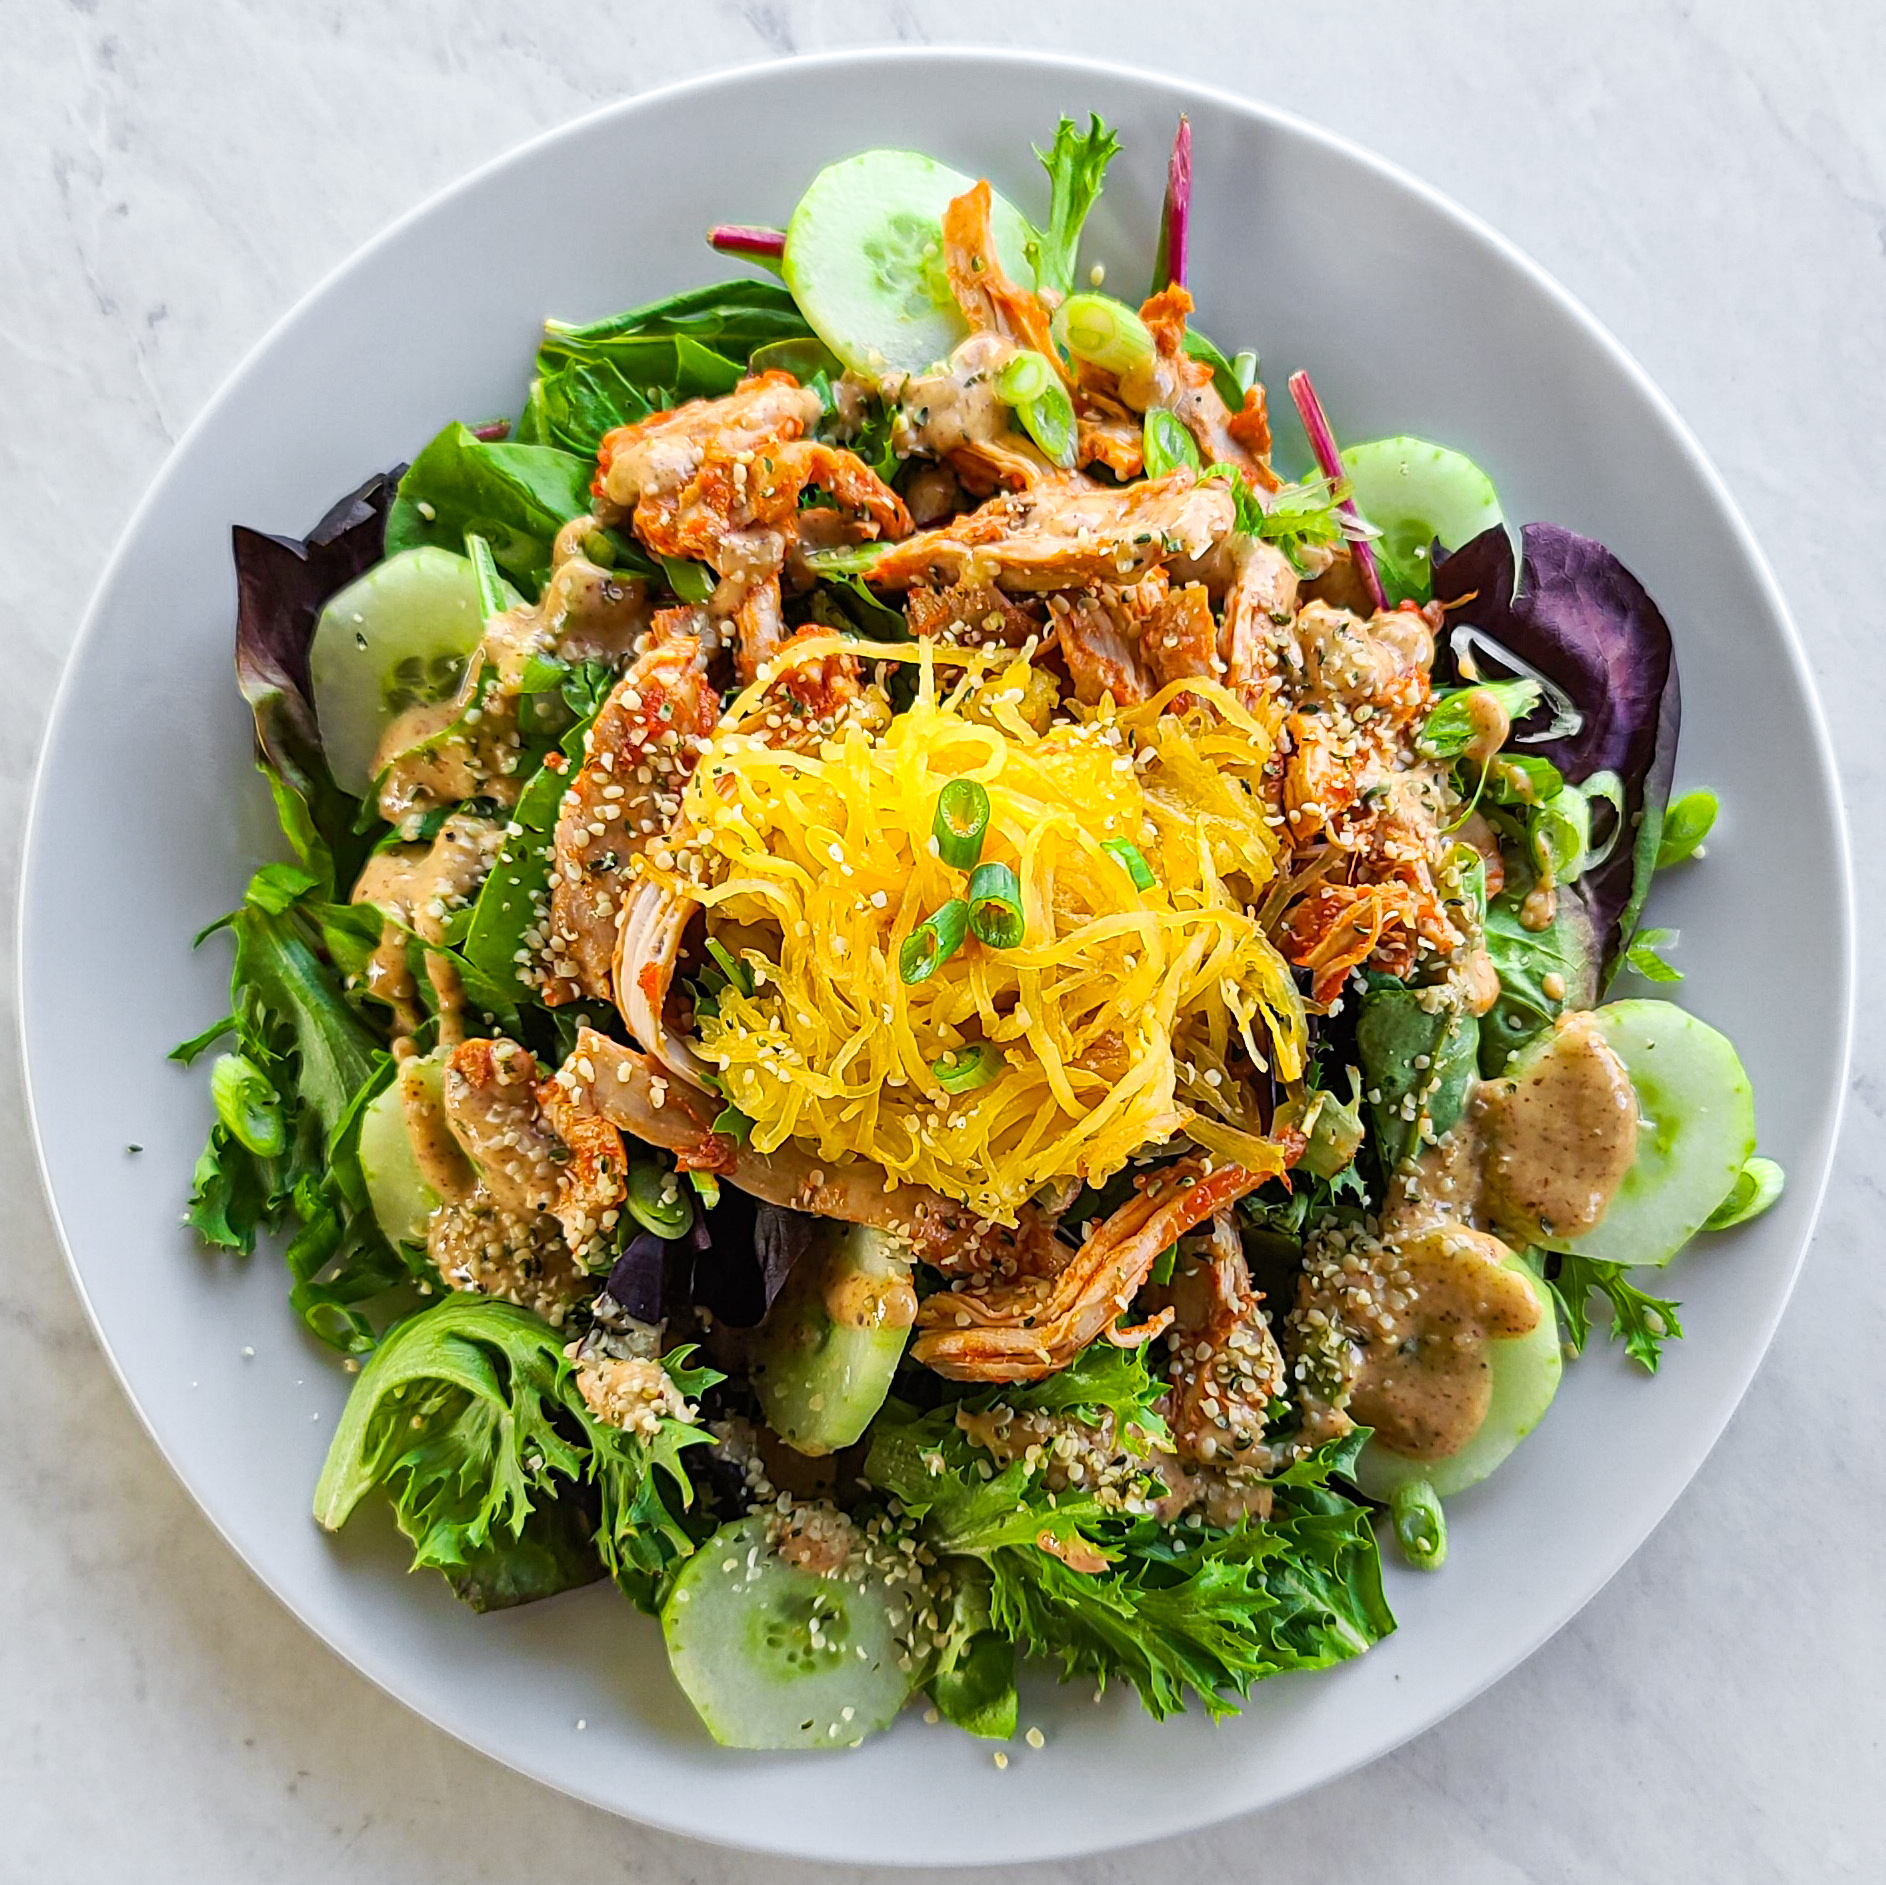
(1423, 1382)
(1559, 1135)
(418, 886)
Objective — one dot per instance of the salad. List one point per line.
(928, 1014)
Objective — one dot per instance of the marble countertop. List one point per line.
(1707, 176)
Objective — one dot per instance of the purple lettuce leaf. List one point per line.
(743, 1251)
(282, 584)
(1572, 611)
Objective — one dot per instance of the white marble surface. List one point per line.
(1709, 176)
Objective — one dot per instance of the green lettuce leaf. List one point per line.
(1176, 1612)
(1642, 1322)
(469, 1417)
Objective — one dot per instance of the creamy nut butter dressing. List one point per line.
(1559, 1137)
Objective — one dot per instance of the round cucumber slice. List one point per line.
(402, 1199)
(397, 637)
(1413, 492)
(864, 259)
(1695, 1132)
(776, 1656)
(832, 1340)
(1525, 1373)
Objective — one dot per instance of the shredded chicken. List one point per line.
(1184, 387)
(637, 755)
(1069, 534)
(1031, 1327)
(633, 1093)
(536, 1155)
(977, 615)
(719, 481)
(1226, 1366)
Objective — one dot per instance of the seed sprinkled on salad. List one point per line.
(929, 1014)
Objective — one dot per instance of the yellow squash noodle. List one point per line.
(1123, 1018)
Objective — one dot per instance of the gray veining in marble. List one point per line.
(1710, 177)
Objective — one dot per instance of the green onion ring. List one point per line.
(995, 907)
(962, 816)
(964, 1069)
(1128, 856)
(656, 1200)
(933, 942)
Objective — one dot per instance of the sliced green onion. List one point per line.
(1049, 421)
(1757, 1186)
(963, 1069)
(1165, 443)
(1129, 858)
(492, 593)
(933, 942)
(1686, 823)
(1244, 370)
(962, 817)
(1104, 332)
(1602, 788)
(248, 1104)
(737, 973)
(1024, 377)
(1420, 1525)
(656, 1200)
(706, 1186)
(691, 582)
(1561, 832)
(995, 907)
(1523, 779)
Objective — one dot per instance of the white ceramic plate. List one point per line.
(148, 819)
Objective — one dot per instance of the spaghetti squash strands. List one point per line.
(1119, 1017)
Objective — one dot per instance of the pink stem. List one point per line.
(1329, 462)
(1175, 215)
(493, 431)
(759, 245)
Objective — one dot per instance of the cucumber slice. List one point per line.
(394, 639)
(775, 1656)
(864, 259)
(403, 1200)
(1413, 492)
(1695, 1132)
(1525, 1373)
(832, 1340)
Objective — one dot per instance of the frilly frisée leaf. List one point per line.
(1575, 613)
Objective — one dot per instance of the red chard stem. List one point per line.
(1329, 462)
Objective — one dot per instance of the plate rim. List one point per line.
(1593, 331)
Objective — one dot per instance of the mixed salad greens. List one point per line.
(926, 1015)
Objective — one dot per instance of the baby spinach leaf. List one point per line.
(1414, 1061)
(517, 497)
(727, 319)
(1562, 954)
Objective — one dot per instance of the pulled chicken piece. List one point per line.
(1034, 1326)
(719, 481)
(637, 755)
(1070, 534)
(634, 1093)
(536, 1155)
